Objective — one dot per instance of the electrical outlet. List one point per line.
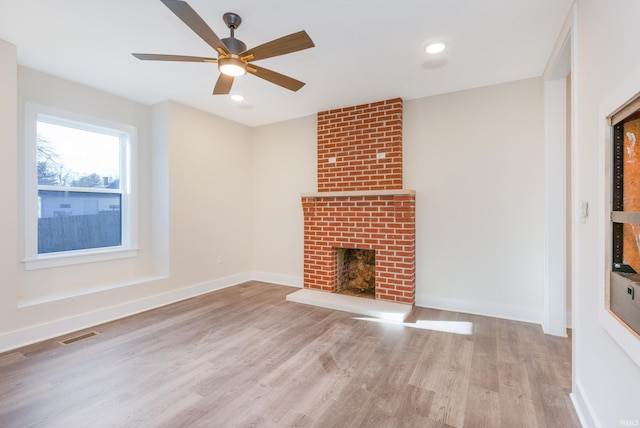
(221, 259)
(631, 292)
(584, 212)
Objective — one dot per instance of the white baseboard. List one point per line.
(27, 336)
(490, 309)
(581, 404)
(274, 278)
(516, 313)
(16, 339)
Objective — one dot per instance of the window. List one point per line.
(79, 189)
(624, 288)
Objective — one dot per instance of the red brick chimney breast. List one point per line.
(360, 201)
(352, 142)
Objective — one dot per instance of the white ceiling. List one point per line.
(366, 50)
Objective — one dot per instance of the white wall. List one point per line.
(220, 203)
(284, 166)
(210, 195)
(195, 205)
(9, 178)
(606, 379)
(43, 89)
(476, 161)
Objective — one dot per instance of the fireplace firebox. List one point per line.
(356, 270)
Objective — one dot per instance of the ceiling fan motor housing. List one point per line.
(234, 46)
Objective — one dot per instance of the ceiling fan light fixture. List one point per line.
(232, 66)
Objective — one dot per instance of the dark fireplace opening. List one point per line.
(356, 272)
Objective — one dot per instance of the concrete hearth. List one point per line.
(374, 308)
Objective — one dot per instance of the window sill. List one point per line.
(626, 338)
(25, 303)
(78, 257)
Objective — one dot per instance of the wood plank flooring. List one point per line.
(244, 357)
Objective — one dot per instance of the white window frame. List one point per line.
(128, 181)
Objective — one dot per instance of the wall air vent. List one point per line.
(78, 338)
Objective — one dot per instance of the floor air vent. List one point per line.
(77, 338)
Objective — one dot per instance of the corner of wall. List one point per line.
(160, 187)
(9, 257)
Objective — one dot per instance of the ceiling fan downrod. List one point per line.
(233, 21)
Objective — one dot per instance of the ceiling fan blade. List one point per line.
(196, 23)
(284, 45)
(223, 85)
(277, 78)
(161, 57)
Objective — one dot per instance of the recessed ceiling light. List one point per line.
(435, 48)
(237, 97)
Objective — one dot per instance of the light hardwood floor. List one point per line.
(244, 357)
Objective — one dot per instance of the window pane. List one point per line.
(78, 220)
(71, 157)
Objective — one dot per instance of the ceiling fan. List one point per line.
(234, 59)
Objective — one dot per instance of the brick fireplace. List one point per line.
(361, 202)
